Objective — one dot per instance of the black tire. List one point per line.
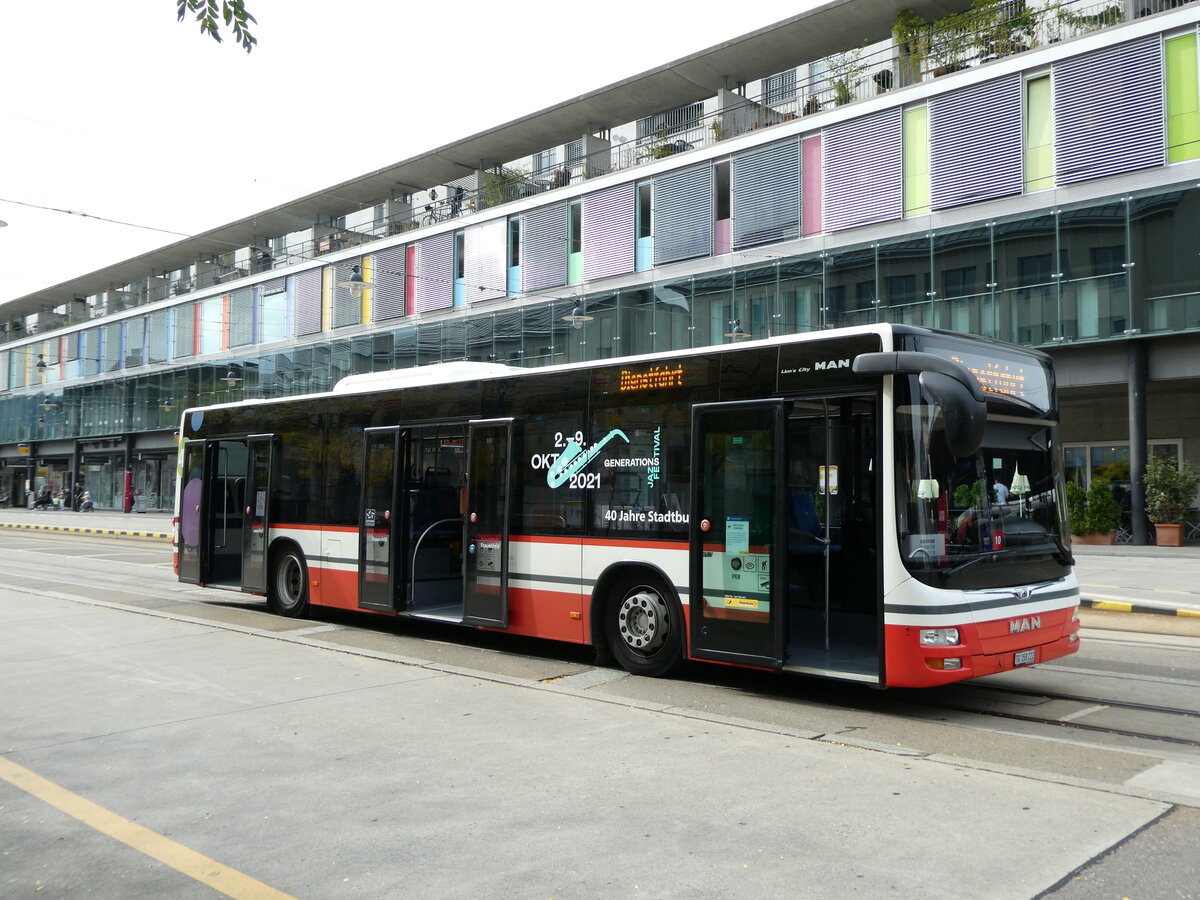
(643, 622)
(288, 589)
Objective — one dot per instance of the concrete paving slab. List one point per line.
(321, 772)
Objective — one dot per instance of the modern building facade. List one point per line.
(1024, 172)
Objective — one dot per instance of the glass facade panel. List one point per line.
(1095, 289)
(1027, 275)
(1165, 251)
(905, 283)
(962, 261)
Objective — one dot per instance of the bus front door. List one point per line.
(833, 586)
(256, 513)
(737, 532)
(485, 531)
(380, 520)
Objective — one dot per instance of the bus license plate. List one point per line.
(1024, 657)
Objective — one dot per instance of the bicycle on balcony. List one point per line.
(441, 212)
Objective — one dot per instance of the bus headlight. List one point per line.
(939, 637)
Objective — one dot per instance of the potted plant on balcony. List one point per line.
(1170, 492)
(1094, 514)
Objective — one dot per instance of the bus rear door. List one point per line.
(485, 532)
(738, 527)
(191, 512)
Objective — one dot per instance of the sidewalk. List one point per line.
(1120, 578)
(1125, 578)
(101, 521)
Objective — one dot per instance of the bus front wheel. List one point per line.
(289, 583)
(644, 625)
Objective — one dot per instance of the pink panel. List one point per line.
(812, 218)
(721, 237)
(410, 287)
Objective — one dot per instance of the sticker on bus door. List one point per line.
(829, 479)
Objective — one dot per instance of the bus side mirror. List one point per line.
(955, 390)
(964, 418)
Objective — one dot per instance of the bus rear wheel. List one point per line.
(288, 593)
(644, 625)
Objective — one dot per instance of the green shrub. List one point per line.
(1169, 491)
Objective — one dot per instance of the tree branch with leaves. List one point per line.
(208, 14)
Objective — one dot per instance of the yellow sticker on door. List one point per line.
(741, 603)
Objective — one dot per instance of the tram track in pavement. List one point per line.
(1089, 704)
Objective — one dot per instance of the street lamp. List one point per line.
(578, 316)
(736, 332)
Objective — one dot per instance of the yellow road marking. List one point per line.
(1112, 606)
(229, 882)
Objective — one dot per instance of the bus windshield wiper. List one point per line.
(1062, 554)
(962, 566)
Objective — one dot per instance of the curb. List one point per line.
(117, 532)
(1125, 607)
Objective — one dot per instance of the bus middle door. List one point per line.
(380, 522)
(485, 531)
(737, 529)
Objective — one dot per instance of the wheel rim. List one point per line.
(643, 621)
(290, 581)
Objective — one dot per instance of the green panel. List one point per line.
(1039, 135)
(916, 161)
(575, 268)
(1183, 100)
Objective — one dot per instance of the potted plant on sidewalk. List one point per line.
(1170, 492)
(1093, 514)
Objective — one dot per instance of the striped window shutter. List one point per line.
(1108, 111)
(435, 273)
(544, 248)
(608, 235)
(388, 275)
(683, 215)
(975, 143)
(307, 286)
(241, 317)
(485, 272)
(347, 302)
(765, 194)
(864, 174)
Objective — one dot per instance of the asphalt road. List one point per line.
(191, 743)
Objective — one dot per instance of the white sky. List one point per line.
(114, 109)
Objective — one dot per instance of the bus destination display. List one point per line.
(651, 379)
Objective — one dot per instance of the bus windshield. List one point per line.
(990, 520)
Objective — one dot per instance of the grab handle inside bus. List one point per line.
(955, 390)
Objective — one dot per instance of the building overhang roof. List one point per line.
(811, 35)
